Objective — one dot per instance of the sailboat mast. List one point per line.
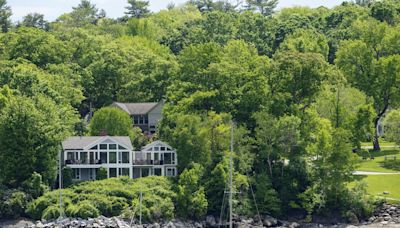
(230, 179)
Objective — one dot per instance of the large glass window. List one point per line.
(113, 157)
(113, 172)
(84, 157)
(103, 146)
(103, 157)
(112, 146)
(170, 172)
(157, 171)
(136, 119)
(70, 156)
(125, 157)
(167, 158)
(145, 172)
(124, 171)
(77, 174)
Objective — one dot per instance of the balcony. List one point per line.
(83, 162)
(147, 162)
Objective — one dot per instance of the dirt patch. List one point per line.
(15, 223)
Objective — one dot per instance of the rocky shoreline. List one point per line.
(385, 216)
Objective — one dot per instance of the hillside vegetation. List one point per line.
(302, 87)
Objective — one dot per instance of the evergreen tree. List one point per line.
(265, 7)
(137, 8)
(5, 14)
(34, 20)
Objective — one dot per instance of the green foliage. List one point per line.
(265, 7)
(34, 20)
(34, 186)
(295, 80)
(306, 40)
(12, 203)
(329, 75)
(67, 176)
(391, 164)
(110, 121)
(266, 196)
(52, 212)
(392, 126)
(5, 16)
(191, 199)
(101, 173)
(84, 209)
(35, 45)
(137, 8)
(31, 131)
(109, 197)
(363, 125)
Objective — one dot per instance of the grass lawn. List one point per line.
(375, 165)
(377, 184)
(381, 143)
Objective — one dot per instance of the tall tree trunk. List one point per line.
(376, 136)
(269, 165)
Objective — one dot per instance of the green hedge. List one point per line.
(109, 197)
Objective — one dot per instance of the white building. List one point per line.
(144, 115)
(86, 155)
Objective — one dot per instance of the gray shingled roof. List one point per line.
(136, 108)
(78, 142)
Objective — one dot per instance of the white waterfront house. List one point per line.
(87, 154)
(144, 115)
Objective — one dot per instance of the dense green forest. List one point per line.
(302, 86)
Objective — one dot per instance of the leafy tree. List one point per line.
(191, 199)
(82, 15)
(266, 196)
(384, 11)
(306, 40)
(363, 125)
(190, 139)
(137, 8)
(392, 126)
(5, 14)
(364, 2)
(34, 20)
(332, 168)
(34, 186)
(35, 45)
(295, 80)
(265, 7)
(203, 5)
(371, 65)
(110, 121)
(31, 131)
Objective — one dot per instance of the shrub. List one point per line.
(86, 210)
(51, 212)
(358, 201)
(36, 208)
(109, 197)
(101, 173)
(67, 174)
(35, 186)
(392, 164)
(13, 204)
